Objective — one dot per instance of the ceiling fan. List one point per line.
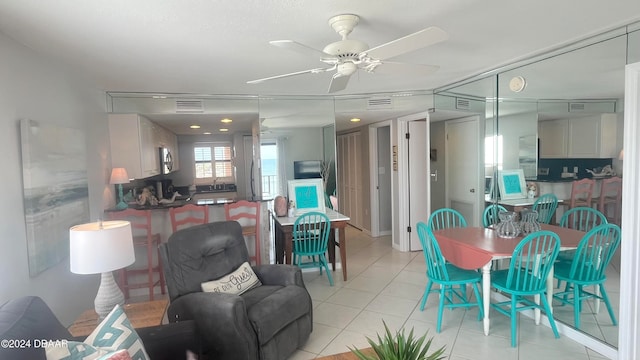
(348, 56)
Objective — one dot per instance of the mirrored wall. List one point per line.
(558, 118)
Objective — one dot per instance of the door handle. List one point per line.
(472, 190)
(434, 175)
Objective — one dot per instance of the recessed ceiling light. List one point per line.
(195, 126)
(226, 121)
(224, 130)
(207, 133)
(159, 97)
(355, 120)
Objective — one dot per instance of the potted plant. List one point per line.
(399, 347)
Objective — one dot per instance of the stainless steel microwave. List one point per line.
(166, 160)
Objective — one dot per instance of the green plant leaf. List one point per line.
(399, 346)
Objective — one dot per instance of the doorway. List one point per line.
(463, 165)
(380, 178)
(270, 166)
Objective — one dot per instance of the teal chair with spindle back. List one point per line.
(581, 218)
(546, 206)
(310, 241)
(588, 268)
(447, 276)
(490, 215)
(446, 218)
(531, 262)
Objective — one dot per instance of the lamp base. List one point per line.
(121, 205)
(109, 295)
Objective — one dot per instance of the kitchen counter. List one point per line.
(161, 221)
(179, 203)
(563, 180)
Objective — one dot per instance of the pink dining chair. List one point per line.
(247, 213)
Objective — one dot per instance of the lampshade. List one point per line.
(119, 176)
(101, 247)
(621, 155)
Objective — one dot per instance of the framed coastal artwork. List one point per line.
(56, 193)
(307, 195)
(511, 184)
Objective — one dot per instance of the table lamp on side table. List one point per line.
(100, 248)
(119, 176)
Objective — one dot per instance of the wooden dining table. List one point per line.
(284, 238)
(476, 247)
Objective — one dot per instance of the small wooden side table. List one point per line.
(141, 314)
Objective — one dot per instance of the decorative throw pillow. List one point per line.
(238, 282)
(75, 350)
(114, 333)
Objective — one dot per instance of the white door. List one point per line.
(418, 179)
(463, 167)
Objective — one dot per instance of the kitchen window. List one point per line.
(213, 162)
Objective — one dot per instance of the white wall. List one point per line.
(35, 87)
(301, 144)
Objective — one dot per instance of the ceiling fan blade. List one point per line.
(301, 48)
(338, 82)
(397, 68)
(411, 42)
(310, 71)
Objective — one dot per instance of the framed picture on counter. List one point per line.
(511, 184)
(307, 195)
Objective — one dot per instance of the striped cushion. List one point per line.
(75, 350)
(114, 333)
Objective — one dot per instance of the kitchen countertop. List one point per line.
(202, 202)
(572, 179)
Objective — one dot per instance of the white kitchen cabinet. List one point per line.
(553, 136)
(584, 137)
(133, 145)
(593, 136)
(169, 140)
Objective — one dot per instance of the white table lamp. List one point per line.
(119, 176)
(100, 248)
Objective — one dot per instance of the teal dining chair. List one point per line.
(531, 262)
(446, 218)
(546, 206)
(447, 276)
(588, 268)
(580, 218)
(490, 215)
(310, 242)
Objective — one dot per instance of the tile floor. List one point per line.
(385, 284)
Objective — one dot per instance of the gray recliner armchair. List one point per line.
(267, 322)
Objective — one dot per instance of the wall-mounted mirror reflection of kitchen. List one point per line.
(213, 122)
(294, 142)
(572, 102)
(464, 111)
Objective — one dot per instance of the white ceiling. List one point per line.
(215, 46)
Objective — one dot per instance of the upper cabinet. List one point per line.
(553, 136)
(169, 140)
(584, 137)
(135, 143)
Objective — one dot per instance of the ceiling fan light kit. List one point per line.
(347, 56)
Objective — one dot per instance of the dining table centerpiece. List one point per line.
(508, 226)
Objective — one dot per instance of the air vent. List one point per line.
(189, 106)
(379, 103)
(462, 104)
(576, 107)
